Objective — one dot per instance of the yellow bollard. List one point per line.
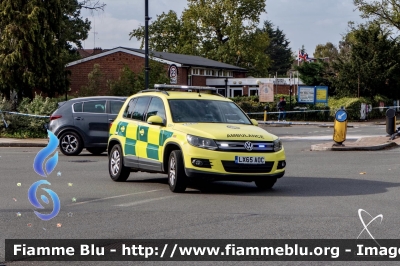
(340, 127)
(265, 116)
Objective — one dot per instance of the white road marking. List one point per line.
(327, 137)
(114, 197)
(142, 201)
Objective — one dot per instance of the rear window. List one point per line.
(115, 106)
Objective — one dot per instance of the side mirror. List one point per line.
(254, 122)
(155, 120)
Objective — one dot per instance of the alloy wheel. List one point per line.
(69, 143)
(115, 162)
(172, 171)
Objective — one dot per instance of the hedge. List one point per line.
(25, 126)
(352, 105)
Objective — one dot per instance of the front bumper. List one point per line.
(196, 174)
(221, 164)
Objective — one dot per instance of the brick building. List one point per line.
(192, 70)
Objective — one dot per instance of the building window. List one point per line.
(237, 93)
(222, 92)
(195, 71)
(224, 73)
(253, 92)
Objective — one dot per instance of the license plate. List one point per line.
(249, 160)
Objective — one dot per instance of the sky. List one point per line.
(304, 22)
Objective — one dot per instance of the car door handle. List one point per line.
(78, 118)
(111, 120)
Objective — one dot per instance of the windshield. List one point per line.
(206, 111)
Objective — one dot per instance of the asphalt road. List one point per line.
(318, 198)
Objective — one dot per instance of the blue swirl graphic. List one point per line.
(43, 154)
(34, 201)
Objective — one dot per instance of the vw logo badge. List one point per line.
(248, 146)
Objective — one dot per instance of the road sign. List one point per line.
(341, 116)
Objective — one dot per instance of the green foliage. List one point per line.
(370, 65)
(353, 106)
(130, 83)
(314, 73)
(24, 126)
(327, 50)
(95, 81)
(157, 75)
(278, 50)
(384, 11)
(125, 84)
(36, 43)
(221, 30)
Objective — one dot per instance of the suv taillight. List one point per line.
(54, 117)
(110, 126)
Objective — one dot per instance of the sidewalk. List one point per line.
(9, 142)
(362, 144)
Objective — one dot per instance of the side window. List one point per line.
(78, 107)
(156, 107)
(140, 108)
(94, 107)
(129, 109)
(115, 107)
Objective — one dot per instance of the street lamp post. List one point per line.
(146, 44)
(290, 91)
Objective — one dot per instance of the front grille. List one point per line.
(239, 146)
(232, 167)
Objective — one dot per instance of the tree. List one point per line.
(278, 49)
(314, 73)
(383, 11)
(327, 50)
(37, 39)
(372, 64)
(168, 38)
(221, 30)
(130, 83)
(95, 81)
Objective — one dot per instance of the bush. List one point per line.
(353, 106)
(24, 126)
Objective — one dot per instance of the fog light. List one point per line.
(281, 164)
(204, 163)
(198, 163)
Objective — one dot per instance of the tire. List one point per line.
(70, 143)
(177, 178)
(266, 183)
(96, 151)
(118, 172)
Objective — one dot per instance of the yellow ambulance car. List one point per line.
(191, 133)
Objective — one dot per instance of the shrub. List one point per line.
(95, 80)
(24, 126)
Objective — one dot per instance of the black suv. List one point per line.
(84, 123)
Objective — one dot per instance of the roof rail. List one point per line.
(154, 90)
(183, 87)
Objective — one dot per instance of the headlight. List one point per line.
(201, 142)
(277, 145)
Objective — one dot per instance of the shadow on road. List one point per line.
(287, 186)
